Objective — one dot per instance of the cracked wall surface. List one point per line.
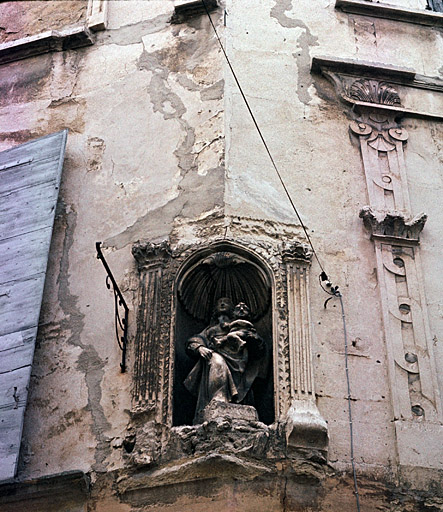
(147, 108)
(144, 109)
(23, 19)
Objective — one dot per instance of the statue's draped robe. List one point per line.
(226, 376)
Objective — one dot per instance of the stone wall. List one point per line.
(148, 105)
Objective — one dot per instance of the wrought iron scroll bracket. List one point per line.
(121, 324)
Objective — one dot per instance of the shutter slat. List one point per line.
(29, 183)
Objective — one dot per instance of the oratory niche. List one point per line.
(223, 339)
(223, 332)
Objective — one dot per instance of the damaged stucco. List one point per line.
(148, 107)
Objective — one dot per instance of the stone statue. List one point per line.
(230, 356)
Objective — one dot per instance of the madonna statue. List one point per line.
(230, 356)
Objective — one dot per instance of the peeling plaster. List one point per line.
(89, 361)
(193, 199)
(176, 62)
(306, 40)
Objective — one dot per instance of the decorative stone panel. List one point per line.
(160, 267)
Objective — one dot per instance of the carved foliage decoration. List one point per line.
(374, 91)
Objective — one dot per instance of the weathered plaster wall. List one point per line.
(306, 129)
(145, 117)
(23, 19)
(146, 160)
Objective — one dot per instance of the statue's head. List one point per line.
(224, 306)
(242, 311)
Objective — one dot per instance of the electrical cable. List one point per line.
(333, 291)
(262, 138)
(354, 474)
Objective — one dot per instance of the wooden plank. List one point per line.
(17, 338)
(16, 356)
(29, 184)
(25, 175)
(20, 304)
(25, 256)
(9, 445)
(15, 210)
(14, 388)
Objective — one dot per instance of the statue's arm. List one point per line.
(196, 347)
(193, 344)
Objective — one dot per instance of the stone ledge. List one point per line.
(49, 41)
(70, 484)
(391, 12)
(362, 68)
(185, 9)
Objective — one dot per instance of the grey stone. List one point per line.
(226, 410)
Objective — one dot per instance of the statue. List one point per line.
(231, 355)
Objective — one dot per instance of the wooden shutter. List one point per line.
(29, 183)
(436, 5)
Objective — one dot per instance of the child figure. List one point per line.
(239, 329)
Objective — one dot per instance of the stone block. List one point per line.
(225, 410)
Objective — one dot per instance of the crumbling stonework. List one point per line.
(164, 161)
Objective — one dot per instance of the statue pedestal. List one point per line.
(226, 410)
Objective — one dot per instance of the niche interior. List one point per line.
(208, 275)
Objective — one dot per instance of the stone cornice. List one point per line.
(361, 68)
(70, 484)
(411, 88)
(49, 41)
(185, 9)
(68, 38)
(391, 12)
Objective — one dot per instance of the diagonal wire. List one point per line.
(262, 137)
(323, 276)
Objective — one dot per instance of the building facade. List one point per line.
(122, 123)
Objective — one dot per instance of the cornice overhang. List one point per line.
(391, 12)
(418, 95)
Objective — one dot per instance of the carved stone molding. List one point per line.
(373, 91)
(396, 234)
(48, 41)
(161, 266)
(391, 12)
(393, 226)
(381, 143)
(382, 87)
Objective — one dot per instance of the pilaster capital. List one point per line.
(393, 226)
(148, 254)
(295, 251)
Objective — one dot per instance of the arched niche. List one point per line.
(165, 321)
(220, 270)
